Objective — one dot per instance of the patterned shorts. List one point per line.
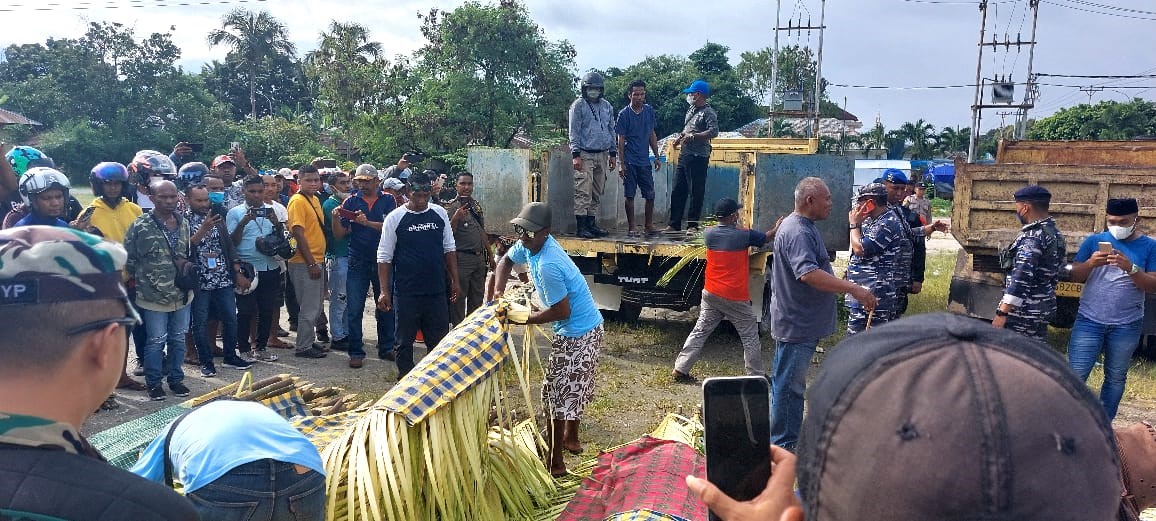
(569, 384)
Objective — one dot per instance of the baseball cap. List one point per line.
(1033, 193)
(222, 159)
(48, 264)
(941, 416)
(393, 183)
(872, 190)
(725, 207)
(286, 173)
(699, 86)
(894, 175)
(366, 171)
(533, 217)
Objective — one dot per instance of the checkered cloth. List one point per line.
(288, 405)
(464, 357)
(643, 480)
(322, 430)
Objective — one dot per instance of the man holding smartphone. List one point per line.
(246, 224)
(473, 247)
(1116, 267)
(361, 217)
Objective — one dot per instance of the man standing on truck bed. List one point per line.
(701, 126)
(635, 129)
(594, 153)
(725, 293)
(1033, 264)
(1117, 268)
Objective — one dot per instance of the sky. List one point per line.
(894, 43)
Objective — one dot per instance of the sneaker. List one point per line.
(208, 372)
(238, 363)
(178, 389)
(341, 344)
(322, 335)
(312, 352)
(247, 357)
(682, 378)
(264, 356)
(281, 332)
(157, 394)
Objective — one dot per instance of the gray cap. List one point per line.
(533, 217)
(393, 183)
(47, 264)
(366, 171)
(872, 190)
(940, 416)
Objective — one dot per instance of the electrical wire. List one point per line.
(84, 6)
(1112, 7)
(1098, 77)
(1094, 11)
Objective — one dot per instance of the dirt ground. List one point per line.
(634, 389)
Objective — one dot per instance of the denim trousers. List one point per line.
(430, 314)
(222, 304)
(1089, 339)
(363, 274)
(788, 383)
(263, 490)
(165, 329)
(338, 268)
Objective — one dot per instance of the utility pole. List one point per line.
(1090, 90)
(819, 69)
(1031, 88)
(814, 109)
(774, 72)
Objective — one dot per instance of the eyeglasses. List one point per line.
(421, 188)
(518, 229)
(127, 322)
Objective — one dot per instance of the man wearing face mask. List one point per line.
(1032, 263)
(877, 235)
(1116, 268)
(690, 179)
(594, 153)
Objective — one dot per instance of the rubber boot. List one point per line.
(592, 225)
(583, 232)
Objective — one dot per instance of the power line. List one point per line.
(1094, 11)
(1099, 77)
(1112, 7)
(85, 6)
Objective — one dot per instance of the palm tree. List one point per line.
(348, 69)
(255, 37)
(953, 140)
(876, 138)
(922, 137)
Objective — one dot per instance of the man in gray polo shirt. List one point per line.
(803, 291)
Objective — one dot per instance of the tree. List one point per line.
(797, 67)
(254, 37)
(1104, 120)
(347, 70)
(954, 140)
(922, 137)
(281, 86)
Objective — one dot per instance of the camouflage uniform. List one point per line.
(878, 269)
(1035, 259)
(912, 257)
(151, 266)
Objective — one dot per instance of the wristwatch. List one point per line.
(1000, 313)
(1135, 269)
(856, 226)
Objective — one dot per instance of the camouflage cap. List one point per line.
(46, 264)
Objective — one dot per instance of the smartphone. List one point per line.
(327, 163)
(261, 212)
(86, 213)
(1106, 247)
(737, 414)
(196, 147)
(346, 214)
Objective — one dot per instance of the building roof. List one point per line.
(7, 117)
(829, 127)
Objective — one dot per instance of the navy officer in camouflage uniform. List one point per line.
(1033, 265)
(877, 236)
(65, 340)
(912, 260)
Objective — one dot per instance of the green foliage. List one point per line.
(1105, 120)
(274, 142)
(254, 37)
(921, 137)
(796, 71)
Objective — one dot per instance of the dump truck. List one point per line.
(624, 273)
(1081, 175)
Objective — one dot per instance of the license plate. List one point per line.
(1069, 289)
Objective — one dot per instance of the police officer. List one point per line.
(877, 237)
(1033, 264)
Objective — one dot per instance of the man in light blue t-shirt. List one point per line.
(569, 384)
(1117, 268)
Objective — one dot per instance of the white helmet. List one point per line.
(252, 285)
(41, 178)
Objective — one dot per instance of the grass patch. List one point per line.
(941, 207)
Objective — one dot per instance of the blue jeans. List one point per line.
(222, 303)
(788, 383)
(165, 329)
(1089, 339)
(338, 270)
(362, 275)
(262, 490)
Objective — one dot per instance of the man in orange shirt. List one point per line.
(306, 225)
(725, 293)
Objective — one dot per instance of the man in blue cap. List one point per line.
(912, 260)
(1032, 264)
(690, 179)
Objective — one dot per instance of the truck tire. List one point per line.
(628, 312)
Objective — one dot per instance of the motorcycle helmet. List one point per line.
(150, 163)
(592, 80)
(106, 172)
(24, 157)
(191, 174)
(250, 273)
(39, 179)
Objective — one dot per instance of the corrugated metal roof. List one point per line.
(7, 117)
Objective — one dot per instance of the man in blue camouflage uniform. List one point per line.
(65, 340)
(912, 259)
(876, 242)
(1033, 265)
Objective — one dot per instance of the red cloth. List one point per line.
(648, 473)
(727, 274)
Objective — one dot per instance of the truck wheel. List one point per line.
(628, 312)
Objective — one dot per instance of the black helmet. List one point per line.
(592, 80)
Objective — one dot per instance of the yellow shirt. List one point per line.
(306, 213)
(113, 222)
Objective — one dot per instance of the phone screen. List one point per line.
(1106, 247)
(197, 147)
(737, 411)
(346, 214)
